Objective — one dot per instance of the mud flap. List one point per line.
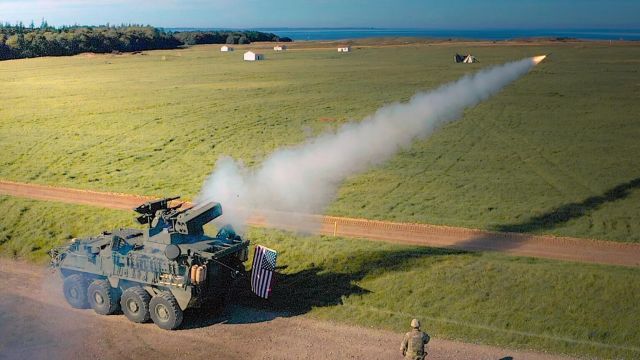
(183, 296)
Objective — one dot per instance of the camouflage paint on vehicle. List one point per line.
(157, 272)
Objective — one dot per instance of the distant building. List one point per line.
(226, 48)
(344, 49)
(251, 56)
(280, 47)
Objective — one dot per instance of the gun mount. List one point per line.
(149, 209)
(190, 221)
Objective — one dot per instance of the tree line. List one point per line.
(226, 37)
(19, 41)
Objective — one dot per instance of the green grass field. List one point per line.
(524, 303)
(556, 152)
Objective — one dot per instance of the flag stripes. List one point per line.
(264, 265)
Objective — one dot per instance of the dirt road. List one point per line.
(36, 323)
(562, 248)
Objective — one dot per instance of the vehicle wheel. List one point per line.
(135, 304)
(165, 311)
(75, 291)
(103, 299)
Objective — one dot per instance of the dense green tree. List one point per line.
(5, 51)
(17, 41)
(12, 42)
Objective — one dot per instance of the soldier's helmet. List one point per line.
(415, 324)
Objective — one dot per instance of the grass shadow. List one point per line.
(560, 215)
(298, 293)
(511, 236)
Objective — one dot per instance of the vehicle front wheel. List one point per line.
(103, 298)
(75, 291)
(165, 311)
(135, 304)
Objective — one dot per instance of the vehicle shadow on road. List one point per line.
(497, 241)
(299, 292)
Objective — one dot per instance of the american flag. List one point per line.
(264, 265)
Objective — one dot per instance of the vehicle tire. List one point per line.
(104, 299)
(165, 312)
(75, 291)
(135, 304)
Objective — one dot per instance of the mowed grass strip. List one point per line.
(524, 303)
(554, 153)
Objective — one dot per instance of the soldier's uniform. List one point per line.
(414, 342)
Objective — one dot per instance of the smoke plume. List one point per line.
(305, 178)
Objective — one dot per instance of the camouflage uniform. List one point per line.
(413, 344)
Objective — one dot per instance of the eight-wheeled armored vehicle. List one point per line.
(155, 273)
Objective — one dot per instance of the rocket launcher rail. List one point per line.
(191, 221)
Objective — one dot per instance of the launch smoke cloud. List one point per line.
(305, 178)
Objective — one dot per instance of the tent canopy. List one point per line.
(467, 59)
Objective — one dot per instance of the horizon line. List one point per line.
(597, 28)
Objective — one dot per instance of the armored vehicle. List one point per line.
(155, 273)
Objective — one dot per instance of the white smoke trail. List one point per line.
(305, 178)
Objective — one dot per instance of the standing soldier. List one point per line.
(414, 342)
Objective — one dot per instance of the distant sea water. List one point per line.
(359, 33)
(339, 34)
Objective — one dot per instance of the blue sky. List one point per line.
(447, 14)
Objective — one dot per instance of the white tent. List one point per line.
(280, 47)
(251, 56)
(470, 59)
(226, 48)
(344, 49)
